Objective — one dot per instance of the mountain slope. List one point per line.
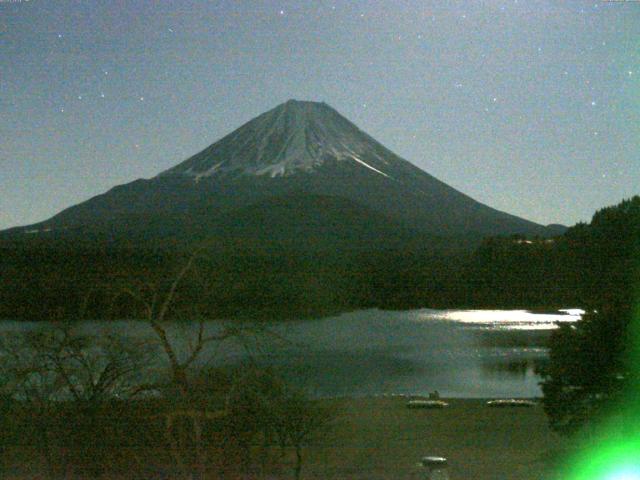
(295, 148)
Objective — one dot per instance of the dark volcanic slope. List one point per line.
(296, 149)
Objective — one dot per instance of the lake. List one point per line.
(460, 353)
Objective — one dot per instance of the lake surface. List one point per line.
(459, 353)
(472, 353)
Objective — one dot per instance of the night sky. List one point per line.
(532, 107)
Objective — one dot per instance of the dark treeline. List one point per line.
(41, 280)
(45, 277)
(590, 265)
(592, 371)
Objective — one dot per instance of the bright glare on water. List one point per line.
(504, 319)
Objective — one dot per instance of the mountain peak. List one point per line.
(292, 102)
(305, 107)
(294, 137)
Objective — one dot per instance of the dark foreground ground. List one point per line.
(379, 438)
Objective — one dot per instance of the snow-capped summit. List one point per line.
(296, 136)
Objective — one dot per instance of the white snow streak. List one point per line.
(368, 166)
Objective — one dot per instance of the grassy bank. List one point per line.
(369, 438)
(379, 438)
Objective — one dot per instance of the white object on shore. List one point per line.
(426, 404)
(436, 467)
(510, 402)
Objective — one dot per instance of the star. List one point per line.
(593, 103)
(102, 95)
(495, 99)
(630, 72)
(62, 110)
(281, 12)
(106, 73)
(79, 97)
(59, 35)
(137, 145)
(142, 99)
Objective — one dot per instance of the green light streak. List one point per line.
(613, 451)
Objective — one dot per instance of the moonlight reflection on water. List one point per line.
(507, 319)
(460, 353)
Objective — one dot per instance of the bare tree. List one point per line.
(60, 380)
(299, 421)
(35, 388)
(263, 407)
(158, 309)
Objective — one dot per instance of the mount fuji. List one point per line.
(297, 171)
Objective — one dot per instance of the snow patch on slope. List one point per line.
(368, 166)
(207, 173)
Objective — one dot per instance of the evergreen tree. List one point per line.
(591, 362)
